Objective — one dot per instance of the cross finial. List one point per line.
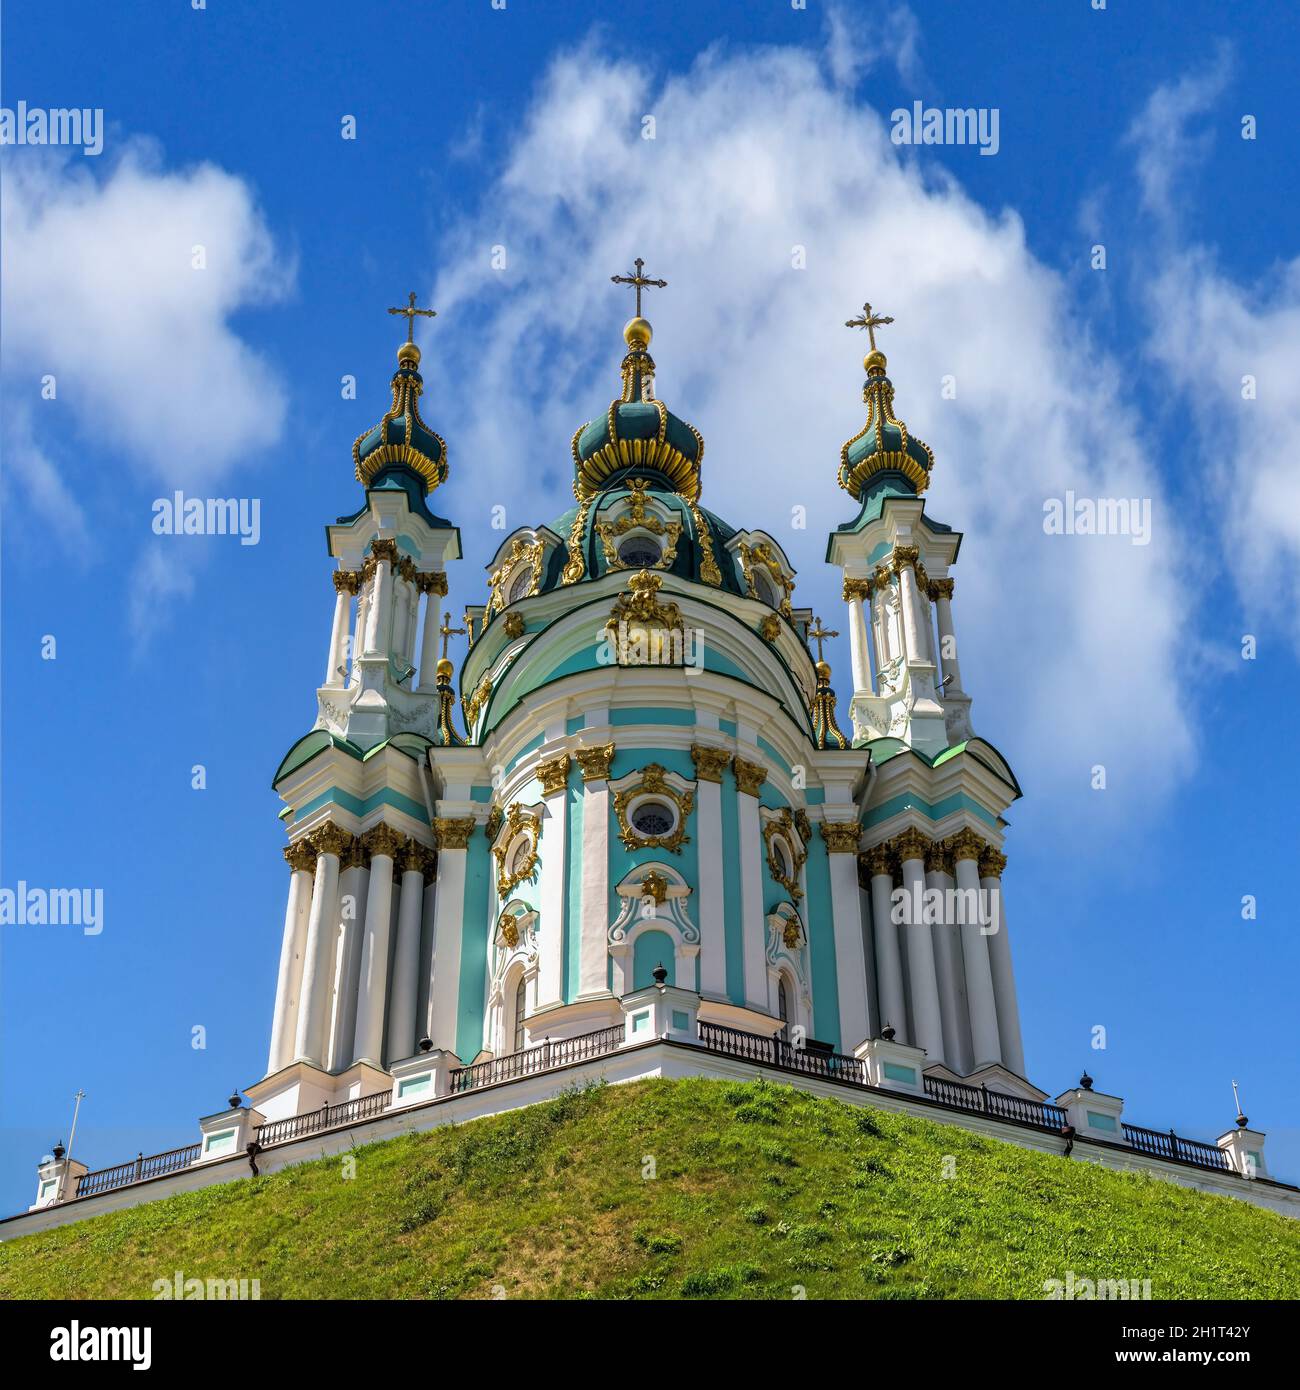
(820, 634)
(639, 280)
(410, 313)
(866, 319)
(447, 632)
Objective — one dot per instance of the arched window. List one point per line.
(783, 1007)
(640, 551)
(520, 1005)
(765, 589)
(520, 584)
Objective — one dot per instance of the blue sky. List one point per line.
(523, 128)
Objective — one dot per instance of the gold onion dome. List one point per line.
(637, 432)
(884, 444)
(402, 438)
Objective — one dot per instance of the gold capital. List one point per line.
(992, 862)
(595, 762)
(346, 581)
(453, 832)
(710, 763)
(910, 844)
(966, 844)
(903, 556)
(939, 588)
(749, 776)
(880, 860)
(841, 836)
(382, 839)
(330, 839)
(856, 589)
(300, 856)
(554, 775)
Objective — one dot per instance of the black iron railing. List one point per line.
(140, 1168)
(956, 1095)
(776, 1052)
(327, 1117)
(544, 1057)
(1168, 1145)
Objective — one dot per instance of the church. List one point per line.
(632, 833)
(639, 764)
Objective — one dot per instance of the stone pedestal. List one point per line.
(893, 1066)
(227, 1133)
(1245, 1150)
(660, 1012)
(56, 1181)
(1093, 1114)
(426, 1076)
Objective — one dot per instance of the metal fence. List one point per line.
(545, 1056)
(140, 1168)
(327, 1117)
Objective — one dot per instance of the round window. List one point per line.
(640, 552)
(651, 818)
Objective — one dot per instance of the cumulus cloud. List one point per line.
(102, 293)
(1070, 644)
(1231, 347)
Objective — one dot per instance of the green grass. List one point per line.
(676, 1189)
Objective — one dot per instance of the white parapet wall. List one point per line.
(657, 1057)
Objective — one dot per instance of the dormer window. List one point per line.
(765, 589)
(520, 584)
(640, 551)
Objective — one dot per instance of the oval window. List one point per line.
(640, 552)
(651, 818)
(784, 859)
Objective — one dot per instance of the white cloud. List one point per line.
(858, 41)
(1070, 645)
(100, 291)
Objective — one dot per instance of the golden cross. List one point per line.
(870, 322)
(820, 634)
(639, 281)
(447, 632)
(409, 314)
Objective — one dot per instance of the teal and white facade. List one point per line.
(644, 767)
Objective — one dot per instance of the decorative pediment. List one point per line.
(652, 806)
(515, 847)
(517, 573)
(635, 514)
(786, 852)
(655, 894)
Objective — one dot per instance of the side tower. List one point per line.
(934, 824)
(358, 810)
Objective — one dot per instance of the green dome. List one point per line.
(884, 444)
(402, 437)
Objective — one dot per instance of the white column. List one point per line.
(312, 1033)
(593, 948)
(947, 639)
(712, 914)
(846, 919)
(383, 843)
(916, 647)
(284, 1023)
(406, 960)
(353, 881)
(855, 590)
(889, 961)
(360, 627)
(552, 884)
(379, 615)
(981, 1000)
(948, 966)
(401, 614)
(749, 779)
(448, 923)
(345, 585)
(433, 585)
(412, 625)
(991, 864)
(923, 978)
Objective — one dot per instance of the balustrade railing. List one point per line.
(140, 1168)
(1167, 1144)
(544, 1057)
(327, 1117)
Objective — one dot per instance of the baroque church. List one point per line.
(638, 772)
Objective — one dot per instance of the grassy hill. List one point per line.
(670, 1189)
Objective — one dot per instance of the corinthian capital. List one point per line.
(595, 762)
(431, 582)
(453, 832)
(414, 857)
(939, 588)
(554, 775)
(880, 861)
(346, 581)
(966, 844)
(331, 839)
(710, 763)
(992, 862)
(841, 836)
(910, 844)
(300, 856)
(749, 776)
(856, 589)
(383, 839)
(903, 556)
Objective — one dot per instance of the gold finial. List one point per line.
(408, 351)
(820, 634)
(447, 632)
(871, 321)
